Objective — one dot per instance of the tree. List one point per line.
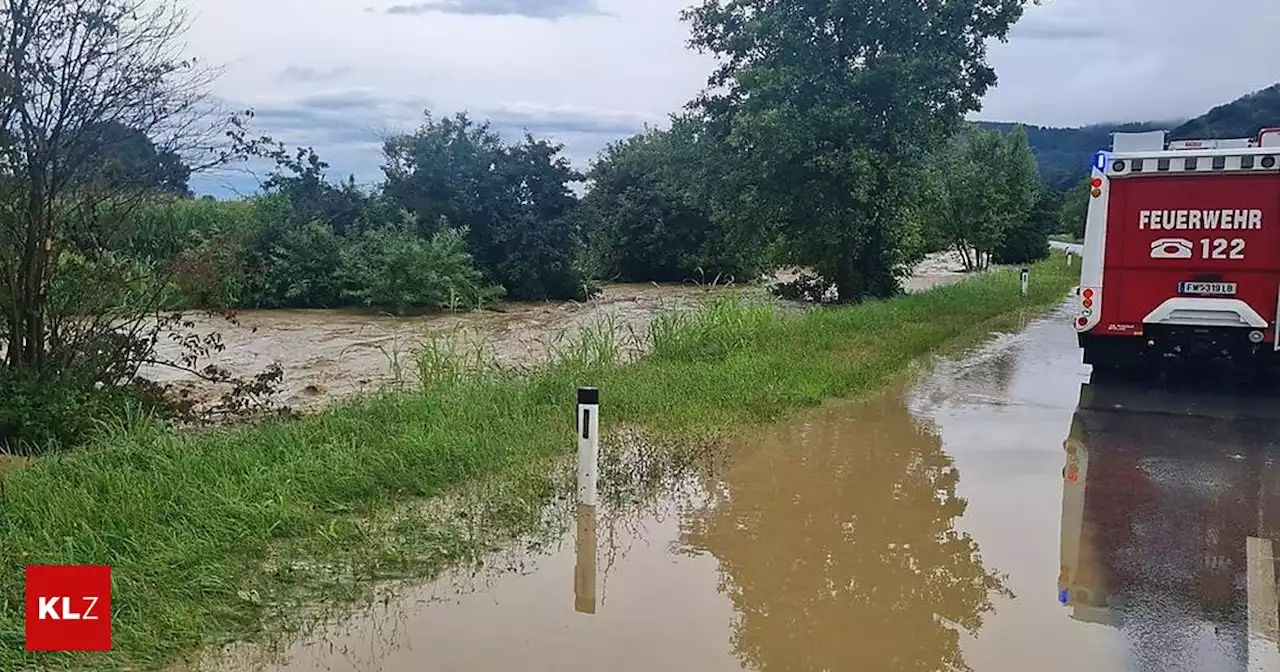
(651, 205)
(832, 107)
(125, 159)
(1019, 179)
(514, 201)
(1075, 208)
(82, 84)
(978, 190)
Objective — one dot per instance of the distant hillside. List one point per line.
(1063, 154)
(1240, 118)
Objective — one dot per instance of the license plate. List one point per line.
(1213, 288)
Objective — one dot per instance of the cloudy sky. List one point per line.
(340, 74)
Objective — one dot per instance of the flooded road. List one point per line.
(949, 525)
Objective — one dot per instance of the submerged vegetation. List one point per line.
(222, 533)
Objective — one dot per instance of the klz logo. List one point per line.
(68, 608)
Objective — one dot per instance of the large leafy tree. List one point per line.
(652, 202)
(833, 105)
(513, 199)
(122, 159)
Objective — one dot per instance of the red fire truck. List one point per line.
(1181, 254)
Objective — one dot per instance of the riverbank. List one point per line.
(222, 534)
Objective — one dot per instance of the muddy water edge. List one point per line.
(835, 540)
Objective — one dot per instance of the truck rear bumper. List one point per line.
(1162, 342)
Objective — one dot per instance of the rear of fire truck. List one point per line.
(1181, 253)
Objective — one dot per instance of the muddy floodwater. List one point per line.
(1001, 514)
(327, 355)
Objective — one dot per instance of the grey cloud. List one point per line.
(304, 74)
(346, 128)
(1042, 30)
(536, 9)
(1072, 62)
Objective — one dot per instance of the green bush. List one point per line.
(395, 269)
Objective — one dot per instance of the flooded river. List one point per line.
(327, 355)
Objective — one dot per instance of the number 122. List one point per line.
(1216, 248)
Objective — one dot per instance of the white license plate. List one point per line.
(1214, 288)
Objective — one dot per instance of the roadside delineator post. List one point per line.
(1026, 277)
(584, 569)
(588, 443)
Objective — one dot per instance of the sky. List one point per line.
(339, 75)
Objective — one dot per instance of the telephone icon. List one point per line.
(1171, 248)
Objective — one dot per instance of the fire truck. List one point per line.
(1168, 525)
(1181, 253)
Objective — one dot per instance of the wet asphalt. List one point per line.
(1001, 513)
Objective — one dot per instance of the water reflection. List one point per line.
(584, 566)
(837, 546)
(1169, 510)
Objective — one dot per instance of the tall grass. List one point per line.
(223, 534)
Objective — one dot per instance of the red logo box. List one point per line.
(68, 607)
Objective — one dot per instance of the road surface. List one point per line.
(947, 523)
(1074, 248)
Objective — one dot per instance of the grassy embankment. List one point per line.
(216, 535)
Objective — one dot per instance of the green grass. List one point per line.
(223, 534)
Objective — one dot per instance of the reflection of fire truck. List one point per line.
(1157, 512)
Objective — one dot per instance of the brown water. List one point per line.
(926, 529)
(330, 354)
(804, 554)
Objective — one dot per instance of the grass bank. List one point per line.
(218, 535)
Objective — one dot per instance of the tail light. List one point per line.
(1089, 297)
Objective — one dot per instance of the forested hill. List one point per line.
(1063, 153)
(1241, 118)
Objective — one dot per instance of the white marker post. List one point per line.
(588, 444)
(1026, 277)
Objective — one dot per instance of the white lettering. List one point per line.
(1200, 219)
(46, 608)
